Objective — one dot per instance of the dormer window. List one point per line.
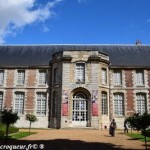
(80, 72)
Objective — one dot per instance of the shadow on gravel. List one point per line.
(62, 144)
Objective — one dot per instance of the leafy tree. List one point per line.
(31, 118)
(140, 122)
(8, 117)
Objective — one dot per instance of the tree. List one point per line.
(140, 122)
(31, 118)
(8, 117)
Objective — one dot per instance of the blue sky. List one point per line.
(74, 21)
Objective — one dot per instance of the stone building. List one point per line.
(75, 86)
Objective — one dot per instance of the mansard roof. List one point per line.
(40, 55)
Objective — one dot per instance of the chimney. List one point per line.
(138, 42)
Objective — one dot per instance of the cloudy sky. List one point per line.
(74, 21)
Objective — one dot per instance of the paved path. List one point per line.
(81, 139)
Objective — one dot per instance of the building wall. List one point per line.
(29, 88)
(59, 102)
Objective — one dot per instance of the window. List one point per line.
(104, 103)
(117, 78)
(141, 103)
(118, 104)
(80, 72)
(55, 75)
(104, 76)
(21, 77)
(1, 77)
(41, 104)
(19, 102)
(139, 78)
(42, 77)
(1, 101)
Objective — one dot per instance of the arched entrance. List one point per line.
(79, 109)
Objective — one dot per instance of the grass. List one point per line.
(18, 135)
(138, 136)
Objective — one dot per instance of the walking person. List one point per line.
(112, 128)
(125, 127)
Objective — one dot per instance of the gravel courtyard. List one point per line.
(81, 139)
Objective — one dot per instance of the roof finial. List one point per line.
(138, 42)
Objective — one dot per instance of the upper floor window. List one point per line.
(1, 77)
(119, 104)
(19, 102)
(1, 101)
(141, 103)
(55, 75)
(80, 72)
(104, 76)
(139, 77)
(41, 103)
(117, 76)
(42, 77)
(20, 77)
(104, 103)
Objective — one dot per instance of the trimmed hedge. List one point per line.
(12, 129)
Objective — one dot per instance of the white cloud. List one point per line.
(16, 14)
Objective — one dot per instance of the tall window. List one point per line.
(55, 75)
(139, 77)
(141, 103)
(41, 104)
(117, 76)
(42, 77)
(19, 102)
(1, 101)
(118, 104)
(80, 72)
(21, 77)
(104, 76)
(104, 103)
(1, 77)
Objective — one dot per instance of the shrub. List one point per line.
(12, 129)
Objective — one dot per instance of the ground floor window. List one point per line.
(104, 103)
(118, 104)
(141, 103)
(41, 104)
(19, 102)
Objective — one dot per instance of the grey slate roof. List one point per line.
(40, 55)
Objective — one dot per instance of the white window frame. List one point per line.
(104, 76)
(119, 104)
(139, 77)
(141, 103)
(41, 103)
(19, 102)
(80, 72)
(1, 101)
(42, 77)
(1, 77)
(117, 77)
(104, 104)
(20, 77)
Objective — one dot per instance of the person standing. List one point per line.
(113, 127)
(125, 127)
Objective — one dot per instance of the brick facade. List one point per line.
(62, 89)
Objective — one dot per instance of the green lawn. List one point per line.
(138, 136)
(18, 135)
